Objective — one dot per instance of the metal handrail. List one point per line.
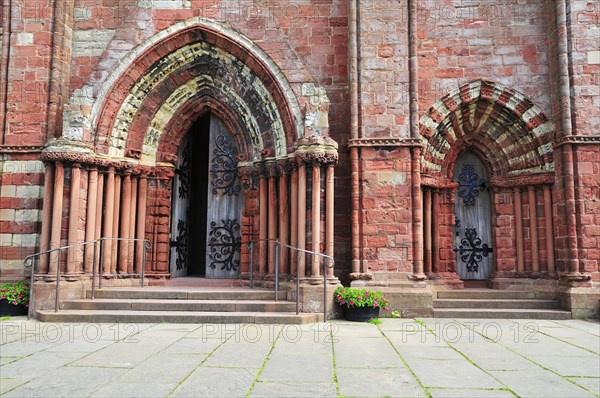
(29, 262)
(325, 266)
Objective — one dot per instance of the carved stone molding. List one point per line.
(20, 149)
(577, 140)
(521, 180)
(317, 150)
(385, 142)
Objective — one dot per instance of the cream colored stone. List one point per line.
(8, 191)
(29, 191)
(25, 38)
(593, 57)
(7, 215)
(28, 215)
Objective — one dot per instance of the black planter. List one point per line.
(360, 314)
(7, 308)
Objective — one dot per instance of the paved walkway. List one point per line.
(400, 357)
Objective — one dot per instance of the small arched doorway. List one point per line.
(207, 201)
(473, 215)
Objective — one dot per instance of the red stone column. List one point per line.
(57, 204)
(316, 219)
(535, 253)
(548, 227)
(329, 214)
(519, 230)
(46, 216)
(74, 219)
(98, 226)
(284, 226)
(427, 228)
(417, 214)
(90, 222)
(294, 222)
(132, 213)
(355, 203)
(435, 221)
(262, 235)
(272, 214)
(116, 219)
(140, 229)
(301, 218)
(108, 221)
(125, 218)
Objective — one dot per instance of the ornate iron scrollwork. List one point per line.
(181, 244)
(223, 168)
(224, 245)
(471, 250)
(185, 172)
(469, 184)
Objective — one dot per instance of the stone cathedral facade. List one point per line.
(422, 144)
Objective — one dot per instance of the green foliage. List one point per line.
(395, 314)
(375, 321)
(15, 293)
(354, 297)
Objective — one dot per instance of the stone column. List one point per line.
(116, 219)
(356, 208)
(301, 218)
(108, 221)
(417, 227)
(548, 227)
(427, 227)
(535, 254)
(284, 216)
(57, 204)
(262, 235)
(272, 214)
(125, 219)
(98, 226)
(329, 214)
(46, 216)
(74, 219)
(435, 221)
(316, 219)
(132, 213)
(294, 222)
(519, 230)
(90, 224)
(140, 229)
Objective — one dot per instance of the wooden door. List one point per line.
(472, 207)
(180, 210)
(224, 204)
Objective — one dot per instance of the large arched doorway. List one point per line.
(206, 203)
(473, 215)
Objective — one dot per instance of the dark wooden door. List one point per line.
(180, 211)
(473, 232)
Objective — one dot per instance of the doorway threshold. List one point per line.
(196, 281)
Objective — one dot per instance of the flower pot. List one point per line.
(7, 308)
(360, 314)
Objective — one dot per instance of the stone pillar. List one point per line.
(98, 226)
(74, 219)
(57, 204)
(519, 230)
(108, 221)
(262, 235)
(284, 216)
(417, 227)
(535, 254)
(427, 227)
(90, 222)
(140, 229)
(549, 230)
(132, 213)
(316, 219)
(125, 219)
(272, 215)
(355, 206)
(294, 222)
(435, 221)
(46, 216)
(301, 218)
(116, 219)
(329, 214)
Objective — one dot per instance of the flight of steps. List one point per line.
(491, 303)
(180, 305)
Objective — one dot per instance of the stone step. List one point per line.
(500, 313)
(128, 316)
(495, 303)
(495, 294)
(186, 294)
(181, 305)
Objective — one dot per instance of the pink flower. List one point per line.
(352, 303)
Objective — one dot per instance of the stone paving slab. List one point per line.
(400, 357)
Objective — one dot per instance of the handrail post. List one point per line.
(102, 240)
(144, 242)
(57, 280)
(31, 294)
(297, 291)
(94, 270)
(251, 247)
(276, 270)
(325, 290)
